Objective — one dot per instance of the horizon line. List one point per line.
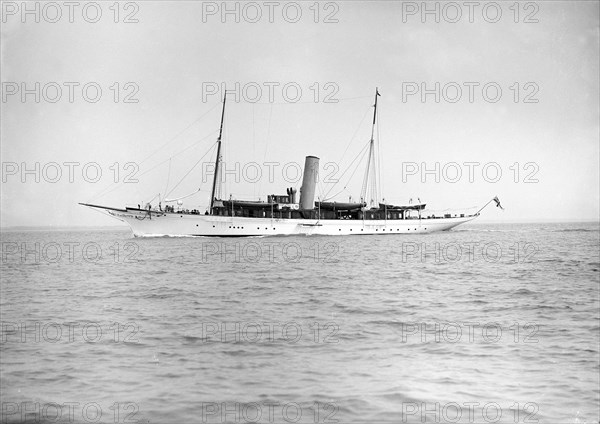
(125, 226)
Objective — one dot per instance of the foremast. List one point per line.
(218, 159)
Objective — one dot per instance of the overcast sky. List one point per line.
(160, 80)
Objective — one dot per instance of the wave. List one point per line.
(577, 230)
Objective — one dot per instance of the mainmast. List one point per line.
(371, 160)
(218, 159)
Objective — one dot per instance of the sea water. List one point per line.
(484, 323)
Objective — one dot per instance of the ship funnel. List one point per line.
(309, 182)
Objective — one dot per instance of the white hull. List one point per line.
(156, 224)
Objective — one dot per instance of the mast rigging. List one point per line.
(218, 159)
